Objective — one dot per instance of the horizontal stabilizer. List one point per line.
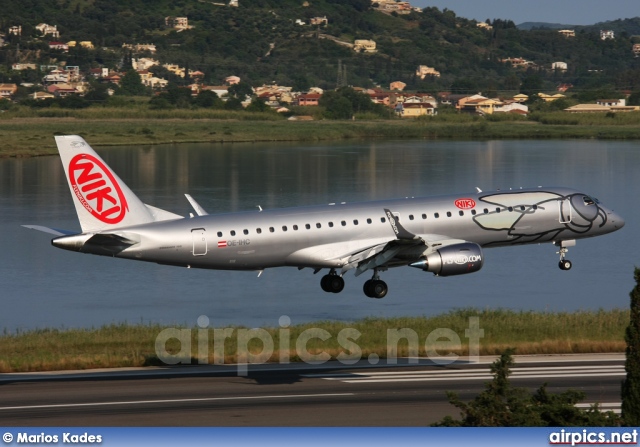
(54, 231)
(161, 215)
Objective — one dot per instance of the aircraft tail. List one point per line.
(102, 200)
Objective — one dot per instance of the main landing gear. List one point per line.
(564, 264)
(332, 282)
(375, 287)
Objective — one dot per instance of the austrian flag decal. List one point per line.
(465, 204)
(222, 244)
(97, 189)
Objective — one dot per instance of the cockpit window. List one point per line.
(590, 200)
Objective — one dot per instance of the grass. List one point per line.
(28, 132)
(126, 345)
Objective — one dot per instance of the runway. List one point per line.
(286, 395)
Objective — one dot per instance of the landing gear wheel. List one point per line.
(565, 264)
(375, 288)
(323, 283)
(332, 283)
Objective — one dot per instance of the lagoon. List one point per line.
(46, 287)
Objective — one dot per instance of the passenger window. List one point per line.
(448, 213)
(318, 225)
(368, 221)
(521, 207)
(331, 224)
(473, 212)
(436, 215)
(355, 221)
(295, 228)
(510, 209)
(410, 216)
(233, 233)
(486, 211)
(461, 213)
(219, 233)
(271, 229)
(259, 230)
(497, 210)
(383, 220)
(424, 216)
(344, 224)
(245, 231)
(535, 207)
(284, 228)
(307, 226)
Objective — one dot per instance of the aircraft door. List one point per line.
(565, 210)
(199, 242)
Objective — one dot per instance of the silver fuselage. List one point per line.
(326, 236)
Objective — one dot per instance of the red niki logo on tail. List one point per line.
(97, 189)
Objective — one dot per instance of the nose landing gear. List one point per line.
(375, 287)
(564, 264)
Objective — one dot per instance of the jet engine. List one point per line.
(450, 260)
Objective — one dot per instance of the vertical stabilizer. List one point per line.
(101, 199)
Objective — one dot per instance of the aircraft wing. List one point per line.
(404, 249)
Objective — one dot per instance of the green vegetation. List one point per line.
(502, 405)
(238, 41)
(29, 132)
(631, 386)
(134, 345)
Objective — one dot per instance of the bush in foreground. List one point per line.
(502, 405)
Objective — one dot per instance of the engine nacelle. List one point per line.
(456, 259)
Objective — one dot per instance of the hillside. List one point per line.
(261, 42)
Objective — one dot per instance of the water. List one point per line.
(46, 287)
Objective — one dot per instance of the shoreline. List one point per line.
(31, 137)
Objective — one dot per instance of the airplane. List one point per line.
(444, 235)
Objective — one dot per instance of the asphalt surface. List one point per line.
(286, 395)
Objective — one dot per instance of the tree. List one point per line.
(208, 99)
(233, 104)
(241, 90)
(131, 84)
(98, 92)
(336, 105)
(502, 405)
(634, 99)
(531, 84)
(257, 105)
(631, 385)
(160, 103)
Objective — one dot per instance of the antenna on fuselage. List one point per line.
(478, 189)
(260, 208)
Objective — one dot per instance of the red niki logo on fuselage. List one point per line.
(465, 204)
(97, 189)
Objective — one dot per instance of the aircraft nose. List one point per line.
(616, 220)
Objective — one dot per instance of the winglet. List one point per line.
(398, 229)
(196, 206)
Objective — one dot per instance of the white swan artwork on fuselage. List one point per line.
(577, 213)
